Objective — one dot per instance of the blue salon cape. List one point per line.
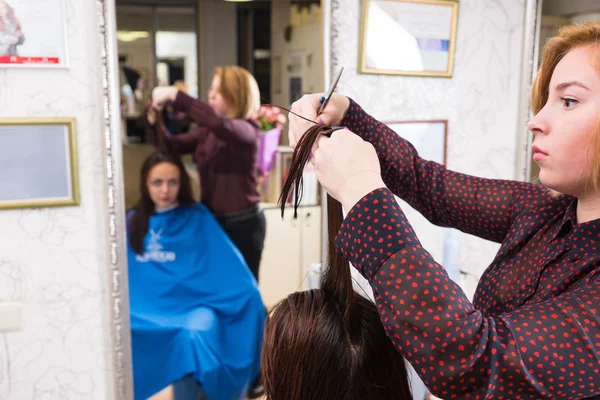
(195, 308)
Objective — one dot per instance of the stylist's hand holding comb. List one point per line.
(346, 165)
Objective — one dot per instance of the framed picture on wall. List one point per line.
(38, 160)
(33, 34)
(408, 37)
(429, 137)
(286, 163)
(276, 74)
(296, 88)
(310, 184)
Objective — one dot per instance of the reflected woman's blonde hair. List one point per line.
(568, 38)
(239, 88)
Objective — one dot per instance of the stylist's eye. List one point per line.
(568, 103)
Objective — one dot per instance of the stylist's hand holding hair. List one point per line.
(307, 107)
(162, 95)
(347, 167)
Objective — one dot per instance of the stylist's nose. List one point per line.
(539, 123)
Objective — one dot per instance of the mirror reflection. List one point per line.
(205, 156)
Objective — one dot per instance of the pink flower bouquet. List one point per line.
(269, 117)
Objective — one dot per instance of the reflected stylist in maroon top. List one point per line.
(224, 147)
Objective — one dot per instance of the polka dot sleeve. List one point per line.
(482, 207)
(546, 350)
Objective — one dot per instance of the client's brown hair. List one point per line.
(328, 343)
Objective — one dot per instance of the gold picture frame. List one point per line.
(408, 37)
(429, 137)
(38, 160)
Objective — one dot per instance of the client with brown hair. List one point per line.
(328, 343)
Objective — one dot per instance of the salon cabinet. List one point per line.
(291, 246)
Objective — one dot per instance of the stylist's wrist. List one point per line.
(358, 186)
(173, 93)
(151, 116)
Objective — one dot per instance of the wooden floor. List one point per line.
(167, 394)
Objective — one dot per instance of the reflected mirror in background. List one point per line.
(176, 46)
(156, 46)
(555, 14)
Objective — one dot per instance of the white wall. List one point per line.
(480, 101)
(175, 19)
(54, 261)
(584, 17)
(306, 41)
(566, 7)
(218, 40)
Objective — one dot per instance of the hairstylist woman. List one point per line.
(225, 148)
(533, 329)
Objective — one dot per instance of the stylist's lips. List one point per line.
(538, 154)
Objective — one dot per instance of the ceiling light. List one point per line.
(131, 36)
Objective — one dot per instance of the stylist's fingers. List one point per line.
(151, 116)
(158, 106)
(321, 142)
(305, 107)
(322, 154)
(341, 157)
(315, 147)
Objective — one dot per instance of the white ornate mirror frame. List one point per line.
(117, 251)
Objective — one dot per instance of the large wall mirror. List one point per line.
(149, 43)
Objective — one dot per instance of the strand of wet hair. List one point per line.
(336, 279)
(266, 103)
(294, 184)
(300, 158)
(159, 128)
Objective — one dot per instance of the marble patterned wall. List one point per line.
(53, 260)
(480, 102)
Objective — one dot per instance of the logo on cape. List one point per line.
(153, 244)
(154, 250)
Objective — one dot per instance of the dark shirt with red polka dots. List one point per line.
(533, 328)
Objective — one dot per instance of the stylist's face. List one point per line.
(163, 184)
(3, 9)
(215, 99)
(569, 119)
